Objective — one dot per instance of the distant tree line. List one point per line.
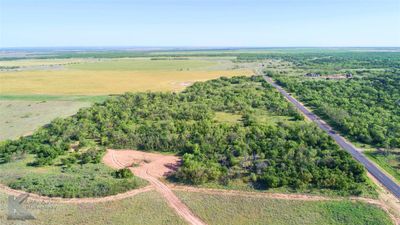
(329, 60)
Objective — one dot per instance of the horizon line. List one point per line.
(181, 47)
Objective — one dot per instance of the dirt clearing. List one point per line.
(151, 166)
(156, 165)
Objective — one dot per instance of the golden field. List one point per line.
(78, 82)
(110, 76)
(42, 62)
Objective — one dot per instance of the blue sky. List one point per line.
(207, 23)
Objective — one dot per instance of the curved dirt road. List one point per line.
(145, 171)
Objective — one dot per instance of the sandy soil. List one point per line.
(156, 165)
(151, 166)
(302, 197)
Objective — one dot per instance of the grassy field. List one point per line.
(219, 209)
(87, 180)
(147, 208)
(46, 98)
(106, 76)
(259, 116)
(225, 117)
(389, 161)
(21, 117)
(43, 89)
(80, 82)
(144, 64)
(41, 62)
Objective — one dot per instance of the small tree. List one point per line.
(123, 173)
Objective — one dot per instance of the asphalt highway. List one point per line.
(385, 180)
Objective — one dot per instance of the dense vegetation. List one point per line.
(290, 153)
(73, 180)
(76, 181)
(364, 109)
(332, 60)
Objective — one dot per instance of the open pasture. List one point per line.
(116, 76)
(23, 117)
(144, 64)
(219, 209)
(144, 209)
(103, 82)
(41, 62)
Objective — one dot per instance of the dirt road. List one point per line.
(40, 198)
(151, 167)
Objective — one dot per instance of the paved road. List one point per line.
(379, 175)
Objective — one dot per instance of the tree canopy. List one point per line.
(365, 109)
(288, 153)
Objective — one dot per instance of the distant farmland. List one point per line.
(100, 77)
(103, 82)
(23, 117)
(35, 91)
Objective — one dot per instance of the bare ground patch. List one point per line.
(156, 165)
(151, 166)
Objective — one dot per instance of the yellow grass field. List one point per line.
(19, 118)
(41, 62)
(76, 82)
(111, 76)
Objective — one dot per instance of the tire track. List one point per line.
(41, 198)
(173, 201)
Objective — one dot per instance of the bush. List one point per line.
(123, 173)
(77, 182)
